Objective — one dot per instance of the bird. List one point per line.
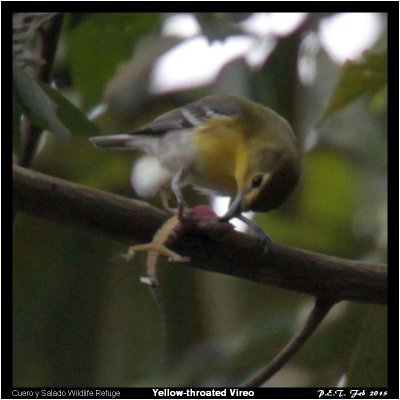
(223, 144)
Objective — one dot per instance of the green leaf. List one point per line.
(356, 80)
(98, 43)
(35, 103)
(369, 364)
(70, 115)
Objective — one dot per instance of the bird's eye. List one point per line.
(256, 181)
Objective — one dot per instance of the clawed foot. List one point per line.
(266, 242)
(259, 233)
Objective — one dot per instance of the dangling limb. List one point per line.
(157, 247)
(154, 249)
(150, 248)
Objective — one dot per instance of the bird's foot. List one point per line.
(258, 232)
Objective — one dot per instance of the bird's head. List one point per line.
(266, 182)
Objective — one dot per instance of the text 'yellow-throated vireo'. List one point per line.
(225, 144)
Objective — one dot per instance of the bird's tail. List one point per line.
(123, 141)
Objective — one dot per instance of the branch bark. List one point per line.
(224, 251)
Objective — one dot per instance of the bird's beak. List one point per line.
(235, 207)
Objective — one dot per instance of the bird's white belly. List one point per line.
(167, 155)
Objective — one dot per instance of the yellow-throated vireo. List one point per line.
(222, 143)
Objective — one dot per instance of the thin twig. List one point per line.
(317, 315)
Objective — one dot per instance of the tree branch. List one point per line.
(223, 251)
(317, 315)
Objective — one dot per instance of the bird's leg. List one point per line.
(165, 202)
(176, 186)
(258, 232)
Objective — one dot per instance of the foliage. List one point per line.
(358, 79)
(36, 104)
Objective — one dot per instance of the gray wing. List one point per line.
(191, 115)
